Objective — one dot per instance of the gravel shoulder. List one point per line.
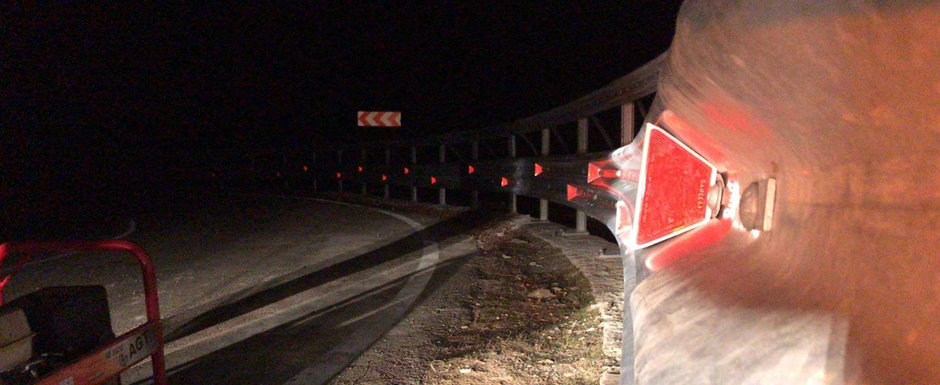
(517, 312)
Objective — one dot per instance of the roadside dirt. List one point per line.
(517, 312)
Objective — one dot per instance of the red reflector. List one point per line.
(278, 174)
(580, 193)
(572, 192)
(433, 180)
(538, 169)
(384, 177)
(360, 168)
(504, 182)
(406, 170)
(339, 175)
(674, 183)
(596, 171)
(306, 168)
(470, 169)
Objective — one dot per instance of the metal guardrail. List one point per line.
(593, 181)
(551, 178)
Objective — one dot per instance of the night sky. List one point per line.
(222, 79)
(125, 97)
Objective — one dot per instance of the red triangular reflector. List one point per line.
(538, 169)
(504, 182)
(594, 172)
(384, 177)
(433, 180)
(573, 192)
(406, 170)
(470, 169)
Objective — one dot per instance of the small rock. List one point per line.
(519, 241)
(557, 290)
(541, 294)
(499, 234)
(546, 362)
(467, 327)
(506, 256)
(465, 370)
(590, 330)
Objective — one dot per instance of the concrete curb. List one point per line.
(605, 275)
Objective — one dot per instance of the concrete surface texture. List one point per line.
(840, 102)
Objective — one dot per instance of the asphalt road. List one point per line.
(264, 289)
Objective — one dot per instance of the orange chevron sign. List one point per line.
(379, 118)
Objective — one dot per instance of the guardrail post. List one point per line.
(546, 142)
(442, 192)
(414, 160)
(626, 124)
(513, 207)
(388, 161)
(580, 222)
(362, 163)
(339, 164)
(475, 155)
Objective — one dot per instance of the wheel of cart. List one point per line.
(62, 335)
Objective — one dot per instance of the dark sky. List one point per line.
(199, 81)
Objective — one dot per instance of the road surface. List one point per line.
(265, 289)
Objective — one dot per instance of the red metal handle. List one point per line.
(146, 267)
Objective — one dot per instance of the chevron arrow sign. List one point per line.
(379, 118)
